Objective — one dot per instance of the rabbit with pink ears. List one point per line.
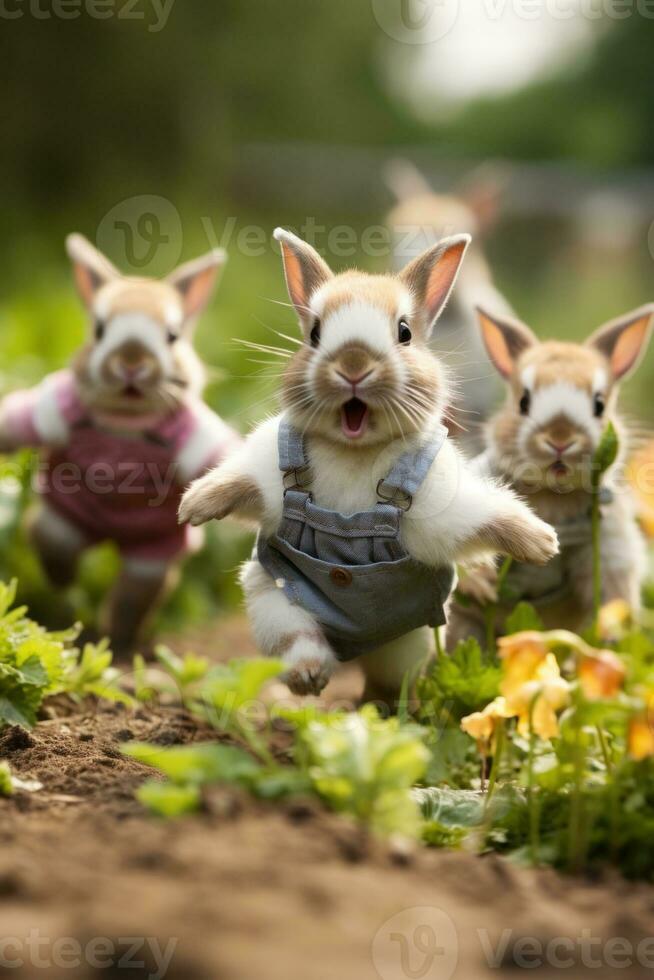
(363, 503)
(560, 396)
(122, 431)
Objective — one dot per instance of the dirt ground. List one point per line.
(92, 887)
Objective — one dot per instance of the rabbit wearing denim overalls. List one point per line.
(363, 504)
(122, 431)
(559, 400)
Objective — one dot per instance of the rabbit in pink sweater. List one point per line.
(122, 432)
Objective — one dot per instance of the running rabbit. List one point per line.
(121, 431)
(559, 400)
(363, 502)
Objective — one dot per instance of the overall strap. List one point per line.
(292, 457)
(408, 473)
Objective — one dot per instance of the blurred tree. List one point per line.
(98, 108)
(598, 111)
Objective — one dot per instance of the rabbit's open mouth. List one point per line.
(354, 418)
(131, 391)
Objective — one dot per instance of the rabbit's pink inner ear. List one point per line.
(629, 346)
(86, 281)
(496, 345)
(305, 271)
(623, 341)
(197, 290)
(294, 278)
(91, 269)
(442, 278)
(196, 280)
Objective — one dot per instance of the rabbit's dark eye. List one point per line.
(598, 406)
(98, 329)
(171, 337)
(315, 332)
(404, 331)
(525, 402)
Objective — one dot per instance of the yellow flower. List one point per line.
(614, 619)
(639, 474)
(640, 739)
(522, 654)
(482, 725)
(537, 700)
(601, 674)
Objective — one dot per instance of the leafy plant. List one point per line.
(6, 781)
(458, 684)
(35, 663)
(91, 673)
(363, 765)
(187, 671)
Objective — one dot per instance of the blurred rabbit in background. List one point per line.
(121, 432)
(419, 219)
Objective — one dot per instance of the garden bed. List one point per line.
(252, 889)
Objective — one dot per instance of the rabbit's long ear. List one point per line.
(91, 268)
(304, 269)
(505, 339)
(196, 280)
(432, 275)
(624, 341)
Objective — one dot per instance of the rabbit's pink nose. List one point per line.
(560, 447)
(352, 380)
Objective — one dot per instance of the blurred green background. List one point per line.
(160, 131)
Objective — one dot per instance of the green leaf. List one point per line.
(282, 781)
(197, 764)
(186, 670)
(364, 765)
(458, 684)
(6, 782)
(168, 799)
(606, 453)
(524, 617)
(451, 807)
(230, 687)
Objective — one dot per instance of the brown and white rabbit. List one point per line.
(122, 431)
(560, 397)
(418, 220)
(363, 393)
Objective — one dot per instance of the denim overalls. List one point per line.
(352, 571)
(544, 585)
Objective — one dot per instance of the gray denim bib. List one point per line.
(543, 585)
(352, 571)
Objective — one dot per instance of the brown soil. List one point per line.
(249, 891)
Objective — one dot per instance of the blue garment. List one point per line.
(352, 571)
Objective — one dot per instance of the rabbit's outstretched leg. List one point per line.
(284, 630)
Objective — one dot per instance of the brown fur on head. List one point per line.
(138, 358)
(365, 374)
(560, 396)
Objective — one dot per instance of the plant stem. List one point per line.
(575, 845)
(492, 609)
(497, 759)
(597, 561)
(534, 841)
(605, 751)
(439, 645)
(491, 619)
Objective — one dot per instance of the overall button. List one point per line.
(340, 576)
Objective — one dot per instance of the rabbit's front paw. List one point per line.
(214, 497)
(541, 543)
(310, 665)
